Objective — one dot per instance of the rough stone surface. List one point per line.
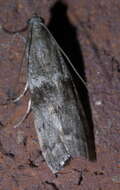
(88, 31)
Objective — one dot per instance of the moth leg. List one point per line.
(22, 94)
(25, 116)
(18, 98)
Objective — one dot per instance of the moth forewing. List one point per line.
(55, 102)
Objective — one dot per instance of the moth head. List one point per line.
(35, 20)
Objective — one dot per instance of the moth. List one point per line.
(58, 114)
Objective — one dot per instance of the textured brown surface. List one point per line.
(89, 31)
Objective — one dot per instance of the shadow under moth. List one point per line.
(58, 114)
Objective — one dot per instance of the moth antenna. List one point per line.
(25, 116)
(74, 69)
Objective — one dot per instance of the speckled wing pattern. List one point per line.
(55, 103)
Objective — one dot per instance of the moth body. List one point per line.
(59, 121)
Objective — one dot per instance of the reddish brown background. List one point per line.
(94, 29)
